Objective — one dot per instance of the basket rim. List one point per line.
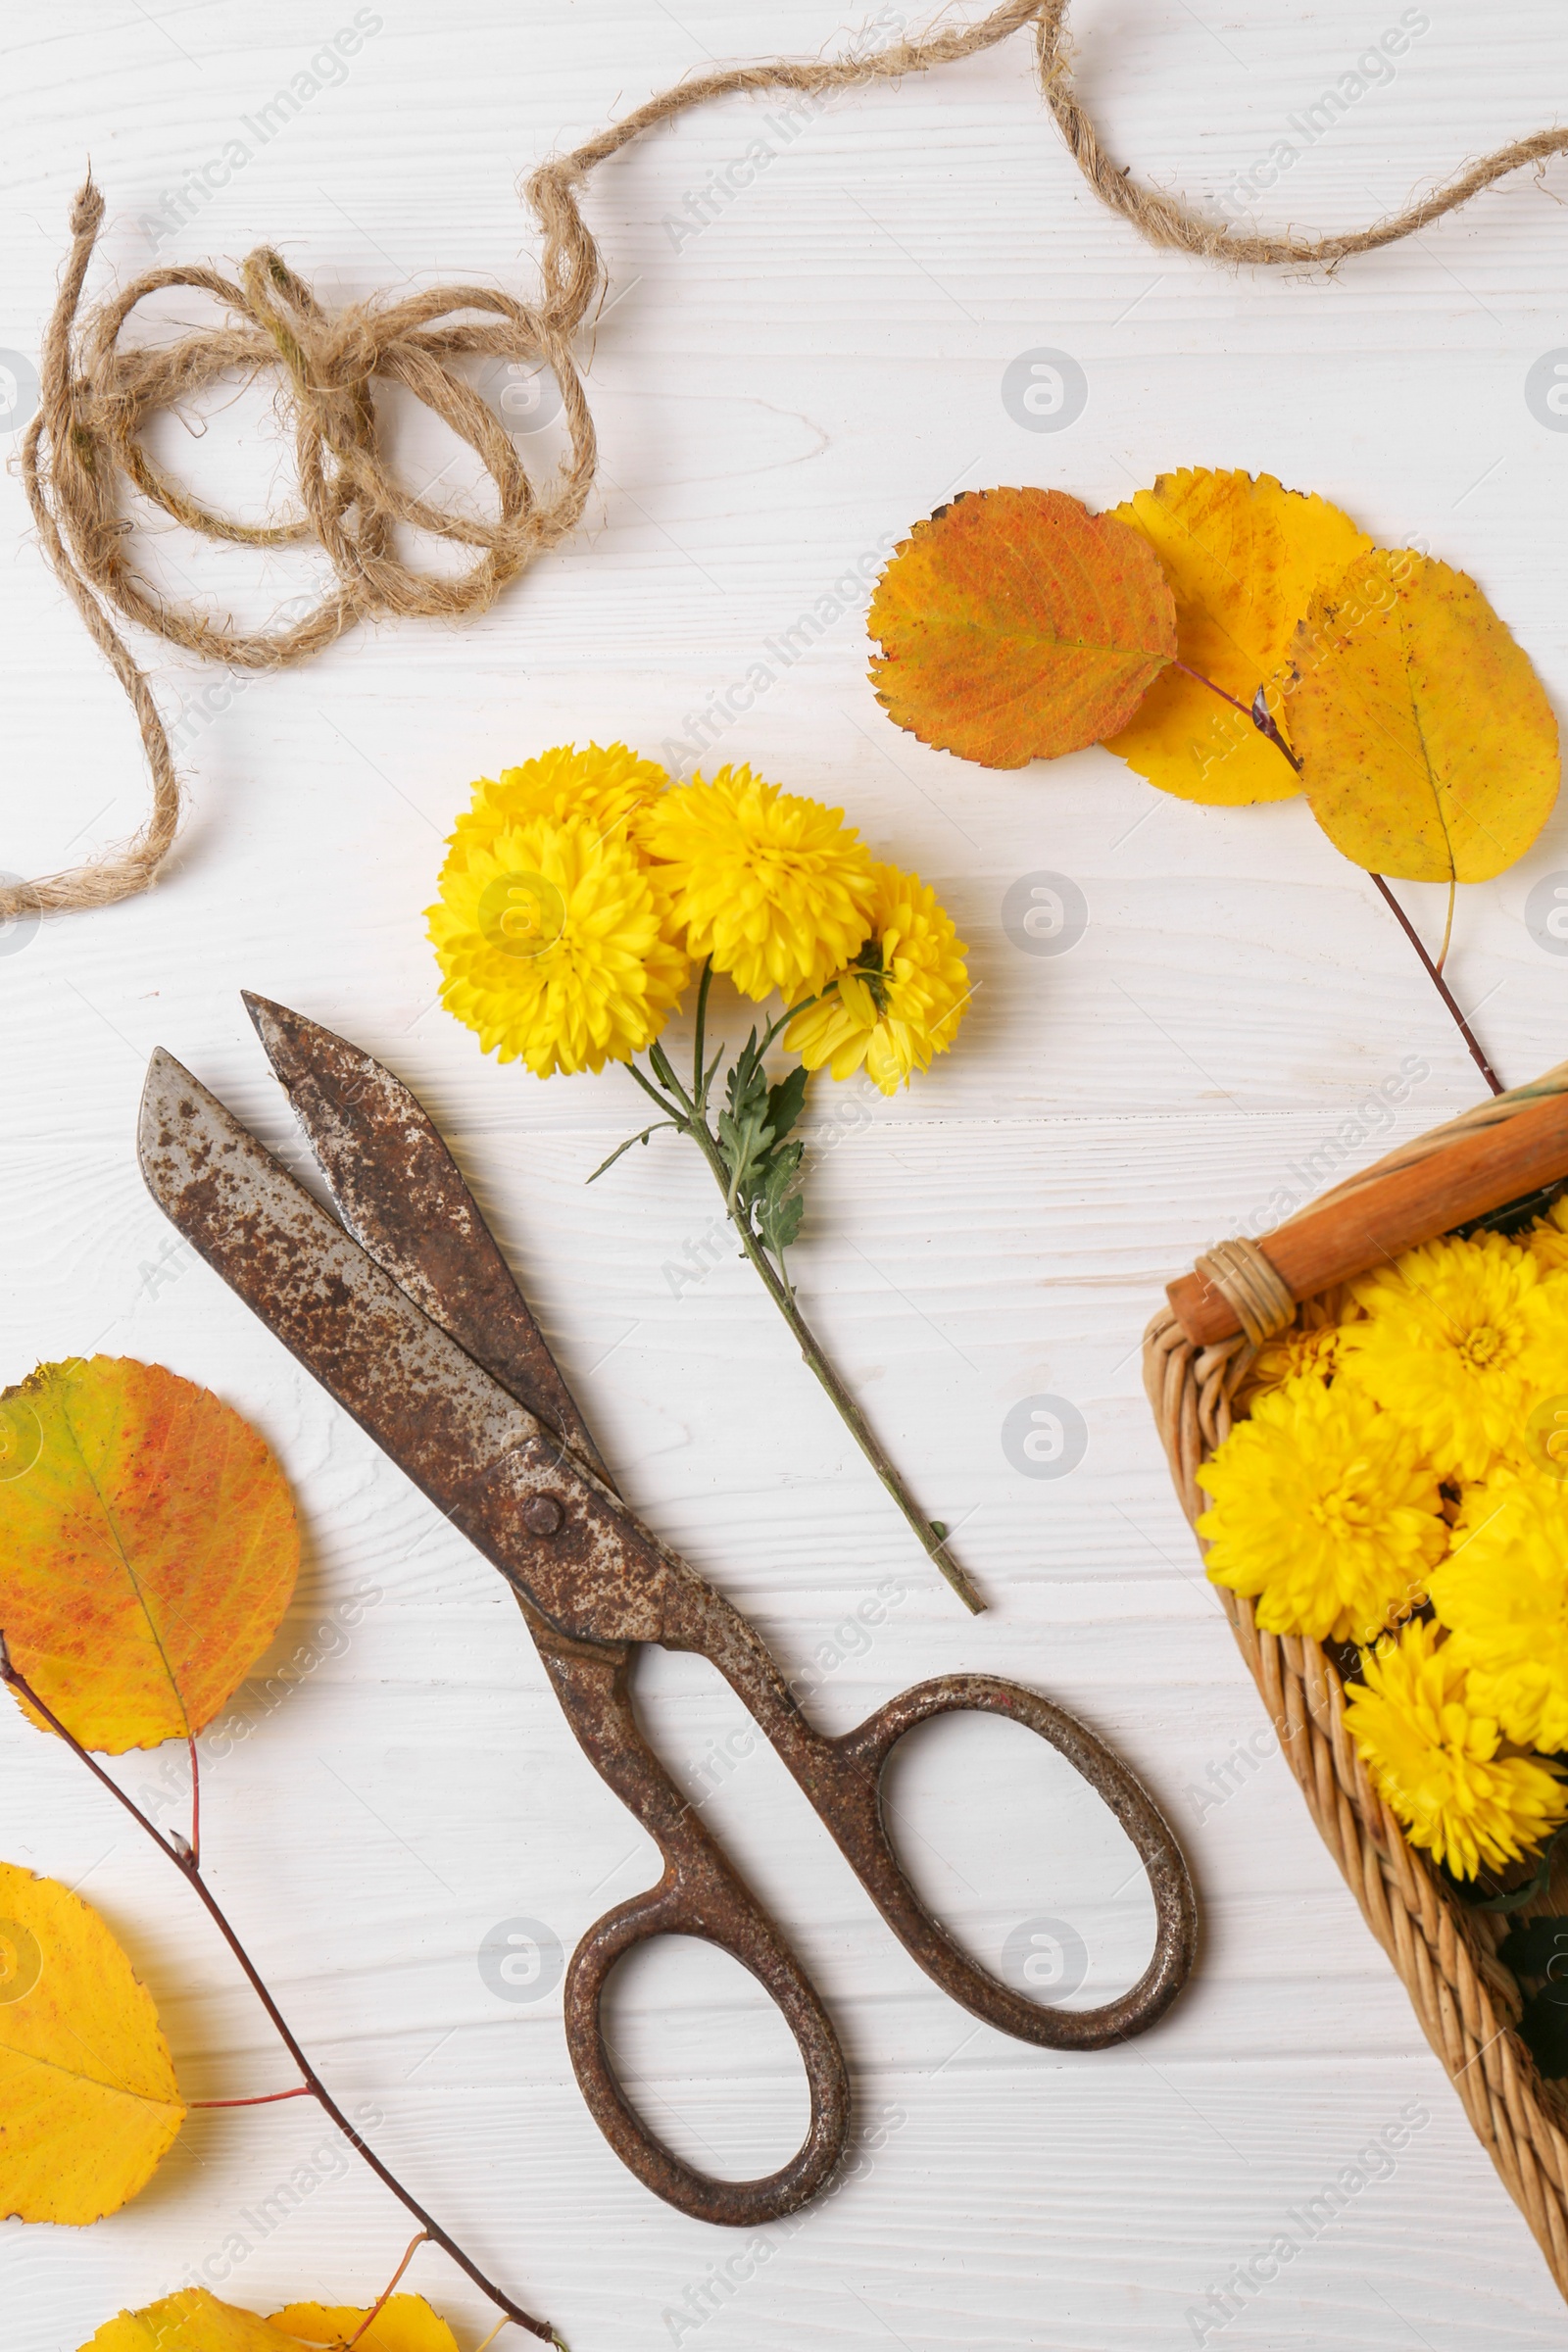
(1490, 1111)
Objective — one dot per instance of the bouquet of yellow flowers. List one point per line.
(584, 890)
(1399, 1485)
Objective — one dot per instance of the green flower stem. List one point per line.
(690, 1117)
(701, 1078)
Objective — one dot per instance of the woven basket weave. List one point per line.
(1467, 2002)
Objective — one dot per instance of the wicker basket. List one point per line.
(1467, 2002)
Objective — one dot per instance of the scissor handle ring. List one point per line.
(735, 1925)
(699, 1894)
(845, 1782)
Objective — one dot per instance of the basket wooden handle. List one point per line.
(1366, 1227)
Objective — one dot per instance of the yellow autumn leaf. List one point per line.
(1243, 557)
(194, 2321)
(407, 2323)
(1427, 746)
(89, 2102)
(148, 1548)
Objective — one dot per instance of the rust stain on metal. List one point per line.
(416, 1328)
(478, 1453)
(400, 1193)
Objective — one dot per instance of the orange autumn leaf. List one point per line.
(1015, 625)
(1427, 746)
(148, 1548)
(1243, 557)
(89, 2102)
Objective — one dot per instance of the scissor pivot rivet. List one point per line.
(543, 1515)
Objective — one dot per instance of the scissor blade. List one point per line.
(398, 1190)
(557, 1535)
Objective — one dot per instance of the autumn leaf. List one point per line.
(1245, 557)
(1015, 625)
(1427, 746)
(89, 2102)
(194, 2321)
(407, 2323)
(148, 1548)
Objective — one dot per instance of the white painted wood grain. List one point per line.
(775, 397)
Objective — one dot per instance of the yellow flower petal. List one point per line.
(855, 1000)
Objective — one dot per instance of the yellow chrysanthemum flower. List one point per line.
(1431, 1752)
(1458, 1340)
(1504, 1594)
(1299, 1353)
(903, 998)
(1546, 1240)
(777, 888)
(1325, 1512)
(554, 942)
(610, 785)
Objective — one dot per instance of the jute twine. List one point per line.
(83, 446)
(1446, 1953)
(1243, 1273)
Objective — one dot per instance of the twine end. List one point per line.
(87, 208)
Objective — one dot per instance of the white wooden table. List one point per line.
(779, 396)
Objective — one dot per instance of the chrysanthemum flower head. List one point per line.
(774, 887)
(1460, 1339)
(900, 1001)
(1546, 1240)
(609, 785)
(1305, 1352)
(1431, 1752)
(554, 947)
(1503, 1591)
(1325, 1511)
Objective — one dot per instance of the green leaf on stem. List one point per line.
(787, 1100)
(779, 1205)
(627, 1144)
(760, 1161)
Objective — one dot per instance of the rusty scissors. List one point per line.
(408, 1317)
